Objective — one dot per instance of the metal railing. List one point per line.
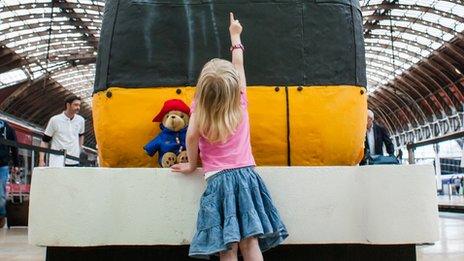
(29, 164)
(36, 148)
(451, 172)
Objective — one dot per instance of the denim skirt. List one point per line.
(235, 205)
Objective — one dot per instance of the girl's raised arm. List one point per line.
(237, 48)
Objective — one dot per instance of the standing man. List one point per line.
(64, 131)
(7, 153)
(376, 137)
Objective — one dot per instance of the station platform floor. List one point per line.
(14, 243)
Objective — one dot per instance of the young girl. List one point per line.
(236, 209)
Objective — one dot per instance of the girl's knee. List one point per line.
(248, 243)
(232, 251)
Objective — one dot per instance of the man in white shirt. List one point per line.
(376, 137)
(64, 131)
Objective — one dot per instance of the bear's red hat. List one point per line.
(172, 105)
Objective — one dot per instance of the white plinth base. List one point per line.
(319, 205)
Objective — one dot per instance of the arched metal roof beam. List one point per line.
(409, 52)
(37, 21)
(399, 123)
(377, 58)
(373, 81)
(396, 123)
(411, 121)
(387, 38)
(56, 98)
(376, 76)
(379, 114)
(380, 71)
(414, 7)
(401, 57)
(431, 69)
(94, 6)
(406, 93)
(39, 88)
(385, 50)
(402, 29)
(407, 100)
(455, 50)
(412, 20)
(380, 56)
(31, 51)
(56, 36)
(439, 68)
(80, 25)
(445, 100)
(437, 53)
(421, 75)
(406, 87)
(415, 115)
(60, 55)
(445, 61)
(407, 76)
(381, 119)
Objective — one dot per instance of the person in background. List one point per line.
(7, 154)
(400, 155)
(64, 131)
(376, 137)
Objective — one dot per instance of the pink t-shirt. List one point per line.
(235, 152)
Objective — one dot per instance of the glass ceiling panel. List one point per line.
(24, 27)
(12, 77)
(419, 27)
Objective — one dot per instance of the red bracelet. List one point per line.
(237, 46)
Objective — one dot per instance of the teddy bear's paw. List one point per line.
(182, 157)
(168, 160)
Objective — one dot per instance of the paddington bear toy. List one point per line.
(170, 142)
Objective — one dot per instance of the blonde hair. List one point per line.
(218, 111)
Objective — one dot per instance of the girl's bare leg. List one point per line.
(250, 249)
(229, 255)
